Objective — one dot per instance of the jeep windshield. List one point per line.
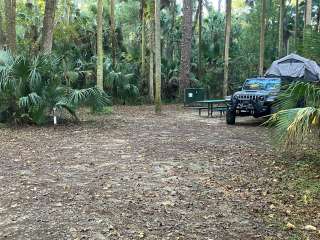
(267, 84)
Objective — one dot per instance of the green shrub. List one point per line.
(30, 88)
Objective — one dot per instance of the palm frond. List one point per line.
(296, 124)
(6, 58)
(93, 97)
(35, 78)
(64, 104)
(299, 94)
(31, 100)
(33, 87)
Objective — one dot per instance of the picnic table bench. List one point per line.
(199, 108)
(218, 105)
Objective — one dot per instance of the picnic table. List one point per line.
(213, 105)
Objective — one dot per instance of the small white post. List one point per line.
(54, 116)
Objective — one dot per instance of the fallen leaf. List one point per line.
(290, 226)
(168, 203)
(310, 228)
(142, 235)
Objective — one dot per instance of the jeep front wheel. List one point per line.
(231, 117)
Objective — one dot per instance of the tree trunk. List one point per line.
(2, 37)
(200, 41)
(151, 61)
(262, 35)
(308, 13)
(219, 5)
(185, 47)
(48, 25)
(65, 14)
(143, 42)
(76, 3)
(226, 47)
(67, 11)
(113, 32)
(196, 18)
(100, 44)
(157, 56)
(171, 38)
(296, 25)
(281, 17)
(10, 13)
(318, 19)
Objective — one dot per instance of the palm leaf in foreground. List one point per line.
(299, 94)
(298, 117)
(296, 125)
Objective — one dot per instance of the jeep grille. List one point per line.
(250, 97)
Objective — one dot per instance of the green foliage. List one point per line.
(75, 44)
(169, 78)
(121, 81)
(298, 118)
(30, 88)
(310, 47)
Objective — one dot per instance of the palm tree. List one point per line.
(318, 19)
(113, 31)
(219, 5)
(2, 37)
(281, 18)
(100, 45)
(157, 57)
(151, 54)
(10, 14)
(200, 40)
(262, 35)
(67, 11)
(173, 9)
(143, 40)
(226, 46)
(308, 13)
(48, 25)
(296, 25)
(186, 41)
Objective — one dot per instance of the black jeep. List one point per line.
(255, 98)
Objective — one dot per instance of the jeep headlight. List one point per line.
(261, 98)
(235, 96)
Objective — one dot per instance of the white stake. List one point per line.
(54, 116)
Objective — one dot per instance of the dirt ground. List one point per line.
(137, 175)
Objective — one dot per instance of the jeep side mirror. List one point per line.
(239, 88)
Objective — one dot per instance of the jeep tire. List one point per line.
(230, 117)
